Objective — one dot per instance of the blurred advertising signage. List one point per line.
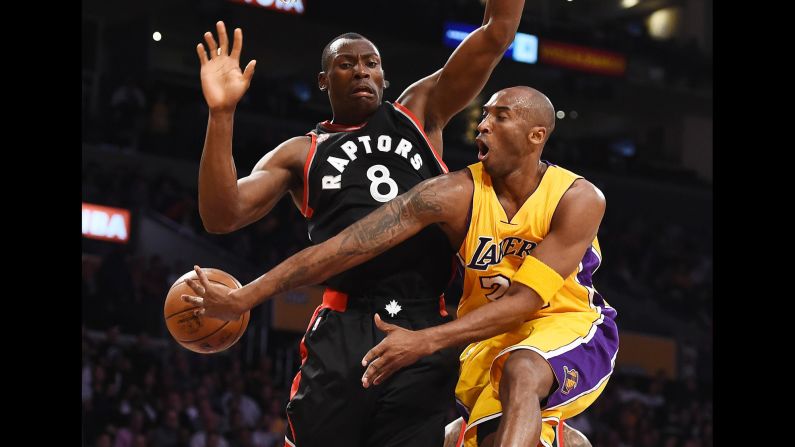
(106, 223)
(524, 47)
(581, 58)
(293, 310)
(289, 6)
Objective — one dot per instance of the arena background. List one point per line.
(632, 81)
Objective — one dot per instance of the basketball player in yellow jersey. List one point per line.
(543, 341)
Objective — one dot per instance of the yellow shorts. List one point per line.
(581, 348)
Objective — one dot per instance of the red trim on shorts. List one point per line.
(333, 300)
(341, 127)
(411, 116)
(559, 434)
(442, 306)
(460, 441)
(305, 209)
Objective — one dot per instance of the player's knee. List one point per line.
(574, 438)
(527, 370)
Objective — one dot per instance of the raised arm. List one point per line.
(572, 230)
(226, 203)
(438, 97)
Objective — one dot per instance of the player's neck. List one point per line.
(351, 118)
(519, 184)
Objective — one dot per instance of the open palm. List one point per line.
(223, 83)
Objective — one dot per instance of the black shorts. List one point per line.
(329, 407)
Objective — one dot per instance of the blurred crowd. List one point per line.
(138, 392)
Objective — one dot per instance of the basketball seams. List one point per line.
(208, 335)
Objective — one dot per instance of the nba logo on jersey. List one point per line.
(571, 380)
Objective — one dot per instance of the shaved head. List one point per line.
(532, 105)
(334, 45)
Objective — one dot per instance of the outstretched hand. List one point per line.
(399, 349)
(223, 83)
(214, 300)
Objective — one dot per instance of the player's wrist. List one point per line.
(241, 299)
(432, 340)
(225, 112)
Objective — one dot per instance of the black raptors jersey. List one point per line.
(351, 171)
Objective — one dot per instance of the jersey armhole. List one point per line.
(306, 210)
(469, 217)
(408, 114)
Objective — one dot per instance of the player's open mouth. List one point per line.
(483, 150)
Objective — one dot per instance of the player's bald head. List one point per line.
(533, 106)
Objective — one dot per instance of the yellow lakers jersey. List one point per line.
(495, 247)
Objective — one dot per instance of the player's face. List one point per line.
(501, 134)
(354, 77)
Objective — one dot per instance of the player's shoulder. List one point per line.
(459, 179)
(583, 193)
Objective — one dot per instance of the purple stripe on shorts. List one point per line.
(580, 369)
(590, 262)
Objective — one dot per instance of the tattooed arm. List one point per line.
(442, 200)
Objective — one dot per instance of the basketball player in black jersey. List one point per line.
(368, 153)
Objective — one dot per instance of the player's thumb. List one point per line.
(379, 323)
(249, 71)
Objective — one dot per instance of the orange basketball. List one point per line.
(201, 334)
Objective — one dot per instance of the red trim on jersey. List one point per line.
(411, 116)
(442, 306)
(290, 423)
(305, 209)
(328, 125)
(460, 441)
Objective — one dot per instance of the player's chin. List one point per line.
(491, 168)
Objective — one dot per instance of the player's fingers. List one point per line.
(199, 312)
(202, 276)
(196, 286)
(368, 375)
(202, 53)
(197, 300)
(208, 37)
(223, 39)
(382, 377)
(371, 355)
(237, 43)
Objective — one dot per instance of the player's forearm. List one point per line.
(503, 315)
(501, 20)
(389, 225)
(218, 193)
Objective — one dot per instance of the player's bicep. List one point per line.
(272, 176)
(573, 228)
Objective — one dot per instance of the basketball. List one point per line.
(201, 334)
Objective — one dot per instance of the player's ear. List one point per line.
(537, 134)
(386, 84)
(322, 81)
